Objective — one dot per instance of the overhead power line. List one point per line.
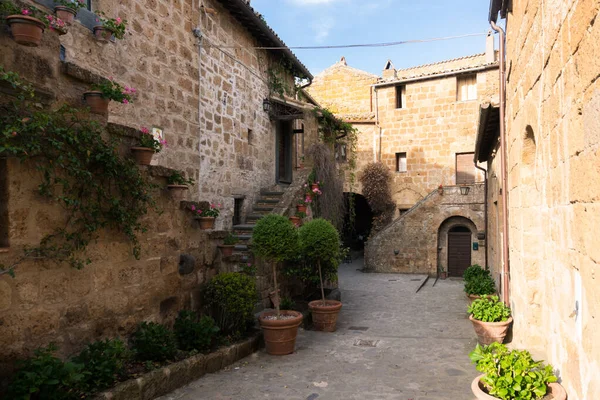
(349, 46)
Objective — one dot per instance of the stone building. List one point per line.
(552, 184)
(201, 80)
(422, 123)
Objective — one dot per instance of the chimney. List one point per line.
(389, 71)
(490, 53)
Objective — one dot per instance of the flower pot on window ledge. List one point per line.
(178, 192)
(96, 101)
(65, 13)
(26, 31)
(102, 34)
(142, 155)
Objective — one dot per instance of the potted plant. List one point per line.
(491, 319)
(228, 245)
(478, 282)
(206, 217)
(275, 239)
(57, 25)
(303, 204)
(512, 375)
(443, 273)
(147, 146)
(315, 186)
(66, 10)
(27, 24)
(320, 246)
(102, 93)
(440, 190)
(297, 219)
(177, 184)
(109, 27)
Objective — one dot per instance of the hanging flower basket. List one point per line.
(66, 14)
(96, 101)
(26, 31)
(142, 155)
(206, 222)
(177, 191)
(102, 33)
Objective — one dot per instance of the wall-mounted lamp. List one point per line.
(267, 105)
(464, 190)
(480, 235)
(396, 252)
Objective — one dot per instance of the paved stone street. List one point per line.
(421, 353)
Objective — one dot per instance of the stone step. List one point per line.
(241, 248)
(263, 209)
(263, 201)
(254, 217)
(243, 238)
(244, 228)
(270, 193)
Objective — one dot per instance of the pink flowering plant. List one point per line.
(306, 200)
(56, 24)
(74, 5)
(213, 210)
(113, 91)
(115, 25)
(8, 8)
(148, 140)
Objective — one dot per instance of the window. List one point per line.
(88, 5)
(403, 210)
(340, 152)
(465, 169)
(250, 137)
(466, 87)
(401, 96)
(400, 162)
(238, 204)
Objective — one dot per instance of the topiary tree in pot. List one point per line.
(320, 246)
(275, 239)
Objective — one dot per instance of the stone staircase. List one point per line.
(266, 204)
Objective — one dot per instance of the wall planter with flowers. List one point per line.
(27, 24)
(147, 147)
(206, 217)
(178, 184)
(491, 319)
(66, 10)
(109, 27)
(440, 190)
(102, 93)
(57, 25)
(228, 245)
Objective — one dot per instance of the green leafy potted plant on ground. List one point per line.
(320, 246)
(512, 375)
(275, 239)
(228, 245)
(478, 282)
(177, 184)
(102, 93)
(66, 10)
(491, 319)
(147, 147)
(206, 217)
(109, 27)
(27, 24)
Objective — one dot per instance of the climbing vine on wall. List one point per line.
(96, 187)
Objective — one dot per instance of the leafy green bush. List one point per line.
(274, 238)
(478, 281)
(231, 297)
(154, 342)
(45, 376)
(194, 334)
(511, 374)
(287, 303)
(489, 309)
(103, 362)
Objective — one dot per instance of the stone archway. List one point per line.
(455, 238)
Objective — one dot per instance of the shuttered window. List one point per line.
(401, 162)
(466, 87)
(401, 96)
(465, 169)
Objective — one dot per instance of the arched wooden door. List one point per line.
(459, 250)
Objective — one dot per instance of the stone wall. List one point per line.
(553, 114)
(420, 235)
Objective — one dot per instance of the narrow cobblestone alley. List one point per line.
(422, 341)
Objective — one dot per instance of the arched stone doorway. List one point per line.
(356, 233)
(456, 236)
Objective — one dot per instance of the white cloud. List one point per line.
(322, 27)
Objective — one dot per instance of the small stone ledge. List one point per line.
(159, 171)
(80, 74)
(167, 379)
(122, 130)
(217, 235)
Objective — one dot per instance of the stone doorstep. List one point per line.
(171, 377)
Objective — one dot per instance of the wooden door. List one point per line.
(459, 253)
(284, 152)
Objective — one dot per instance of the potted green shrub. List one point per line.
(109, 27)
(228, 245)
(491, 319)
(478, 282)
(177, 184)
(27, 24)
(275, 239)
(102, 93)
(320, 246)
(147, 147)
(512, 375)
(66, 10)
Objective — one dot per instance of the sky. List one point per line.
(335, 22)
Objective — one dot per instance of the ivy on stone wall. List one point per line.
(97, 188)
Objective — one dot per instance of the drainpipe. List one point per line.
(503, 161)
(485, 209)
(377, 122)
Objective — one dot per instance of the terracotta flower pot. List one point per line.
(301, 208)
(65, 13)
(206, 222)
(440, 191)
(490, 332)
(26, 30)
(142, 155)
(296, 221)
(314, 186)
(226, 249)
(102, 34)
(325, 316)
(280, 334)
(443, 275)
(178, 192)
(555, 391)
(473, 297)
(96, 102)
